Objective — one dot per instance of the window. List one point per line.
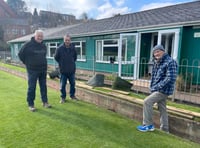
(80, 47)
(99, 50)
(51, 49)
(167, 40)
(23, 32)
(16, 49)
(105, 49)
(124, 50)
(14, 31)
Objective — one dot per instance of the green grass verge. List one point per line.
(17, 68)
(170, 103)
(71, 125)
(135, 95)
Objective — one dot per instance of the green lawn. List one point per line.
(71, 125)
(17, 68)
(135, 95)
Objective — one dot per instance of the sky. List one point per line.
(98, 9)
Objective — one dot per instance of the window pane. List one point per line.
(110, 42)
(112, 51)
(78, 50)
(99, 50)
(123, 49)
(109, 52)
(52, 44)
(83, 48)
(52, 52)
(76, 43)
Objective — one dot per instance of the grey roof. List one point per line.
(175, 15)
(51, 33)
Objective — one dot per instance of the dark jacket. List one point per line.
(66, 58)
(33, 55)
(164, 75)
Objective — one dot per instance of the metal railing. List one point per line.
(5, 56)
(187, 88)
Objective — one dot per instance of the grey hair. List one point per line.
(67, 35)
(39, 31)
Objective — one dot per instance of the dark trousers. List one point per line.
(33, 76)
(63, 83)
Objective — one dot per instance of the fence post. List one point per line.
(173, 96)
(93, 65)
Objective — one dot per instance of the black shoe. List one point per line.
(46, 105)
(62, 100)
(74, 98)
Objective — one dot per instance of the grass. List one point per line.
(135, 95)
(170, 103)
(71, 125)
(17, 68)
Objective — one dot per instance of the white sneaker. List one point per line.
(32, 108)
(62, 101)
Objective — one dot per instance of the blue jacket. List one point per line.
(66, 58)
(164, 75)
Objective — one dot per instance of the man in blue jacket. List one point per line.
(66, 57)
(163, 79)
(33, 55)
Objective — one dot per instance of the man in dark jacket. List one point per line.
(66, 57)
(33, 55)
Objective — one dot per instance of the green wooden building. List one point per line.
(129, 39)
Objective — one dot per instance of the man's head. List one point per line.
(158, 51)
(39, 36)
(67, 40)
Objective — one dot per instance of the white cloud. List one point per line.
(155, 5)
(120, 2)
(75, 7)
(108, 10)
(94, 8)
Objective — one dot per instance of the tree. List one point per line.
(1, 33)
(3, 44)
(35, 13)
(17, 6)
(117, 14)
(84, 16)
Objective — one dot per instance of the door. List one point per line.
(127, 55)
